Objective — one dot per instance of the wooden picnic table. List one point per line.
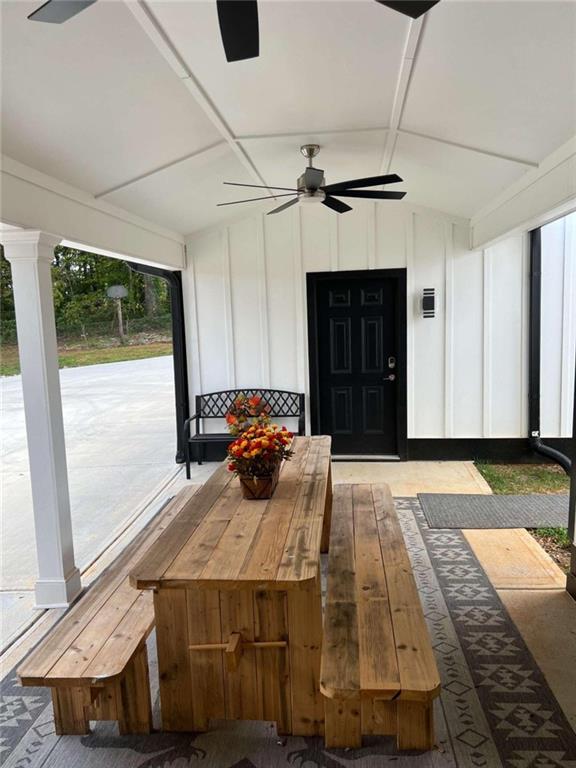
(237, 600)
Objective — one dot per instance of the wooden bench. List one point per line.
(95, 658)
(378, 672)
(215, 405)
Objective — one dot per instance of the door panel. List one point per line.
(356, 350)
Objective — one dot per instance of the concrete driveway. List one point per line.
(120, 440)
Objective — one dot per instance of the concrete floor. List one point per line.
(119, 423)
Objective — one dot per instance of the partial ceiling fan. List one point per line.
(238, 20)
(310, 188)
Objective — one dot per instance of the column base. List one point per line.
(58, 593)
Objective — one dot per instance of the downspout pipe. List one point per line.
(534, 359)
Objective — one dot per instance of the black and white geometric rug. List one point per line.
(496, 709)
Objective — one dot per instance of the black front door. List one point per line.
(358, 360)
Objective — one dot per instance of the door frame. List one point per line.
(313, 281)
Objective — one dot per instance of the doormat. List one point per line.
(463, 510)
(496, 709)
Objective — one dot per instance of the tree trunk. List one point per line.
(150, 298)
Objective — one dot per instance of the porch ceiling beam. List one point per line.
(169, 51)
(541, 195)
(415, 30)
(30, 254)
(210, 149)
(307, 132)
(34, 200)
(468, 148)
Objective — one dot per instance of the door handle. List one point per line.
(392, 377)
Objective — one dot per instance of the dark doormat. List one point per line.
(459, 510)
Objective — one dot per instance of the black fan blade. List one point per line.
(57, 11)
(283, 206)
(370, 194)
(412, 8)
(253, 199)
(371, 181)
(313, 177)
(336, 205)
(238, 21)
(257, 186)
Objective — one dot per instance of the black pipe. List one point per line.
(174, 280)
(534, 361)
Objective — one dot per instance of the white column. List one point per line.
(30, 254)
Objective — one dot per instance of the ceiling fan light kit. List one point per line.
(311, 188)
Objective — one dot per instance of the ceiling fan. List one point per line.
(238, 20)
(310, 188)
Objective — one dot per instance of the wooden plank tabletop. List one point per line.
(222, 541)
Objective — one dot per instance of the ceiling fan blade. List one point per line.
(253, 199)
(313, 177)
(57, 11)
(257, 186)
(412, 8)
(336, 205)
(370, 194)
(283, 206)
(370, 181)
(238, 21)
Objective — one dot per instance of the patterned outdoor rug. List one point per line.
(496, 708)
(473, 510)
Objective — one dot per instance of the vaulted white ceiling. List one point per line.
(134, 102)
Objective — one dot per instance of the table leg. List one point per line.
(173, 660)
(305, 629)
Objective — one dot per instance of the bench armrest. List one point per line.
(196, 418)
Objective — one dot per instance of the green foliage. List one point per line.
(524, 478)
(559, 536)
(80, 280)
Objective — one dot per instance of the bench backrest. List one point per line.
(215, 405)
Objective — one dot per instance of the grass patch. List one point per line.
(533, 478)
(76, 356)
(524, 478)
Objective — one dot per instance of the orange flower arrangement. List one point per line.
(259, 450)
(246, 411)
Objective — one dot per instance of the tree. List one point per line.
(80, 280)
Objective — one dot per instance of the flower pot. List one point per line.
(259, 487)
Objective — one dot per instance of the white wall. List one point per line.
(558, 343)
(245, 296)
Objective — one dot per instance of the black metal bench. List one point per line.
(215, 405)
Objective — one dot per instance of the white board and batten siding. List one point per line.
(245, 298)
(558, 327)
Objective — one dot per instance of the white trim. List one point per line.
(568, 329)
(299, 298)
(371, 236)
(26, 173)
(210, 149)
(449, 330)
(263, 300)
(531, 201)
(334, 244)
(487, 345)
(410, 225)
(228, 309)
(415, 29)
(158, 35)
(468, 148)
